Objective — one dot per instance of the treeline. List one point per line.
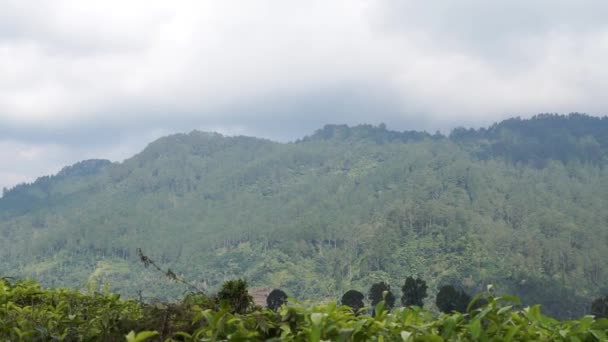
(544, 137)
(234, 296)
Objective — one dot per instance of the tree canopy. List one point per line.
(450, 299)
(353, 299)
(413, 292)
(276, 298)
(381, 292)
(234, 294)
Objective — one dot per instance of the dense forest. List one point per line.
(521, 205)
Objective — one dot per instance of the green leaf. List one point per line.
(475, 328)
(316, 318)
(511, 333)
(141, 336)
(600, 335)
(406, 335)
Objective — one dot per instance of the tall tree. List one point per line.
(381, 291)
(276, 298)
(234, 293)
(413, 292)
(450, 299)
(353, 299)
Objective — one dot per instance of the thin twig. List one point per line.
(169, 273)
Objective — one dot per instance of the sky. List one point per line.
(101, 79)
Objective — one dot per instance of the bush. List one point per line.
(234, 294)
(30, 313)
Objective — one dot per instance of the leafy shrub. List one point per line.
(234, 294)
(30, 313)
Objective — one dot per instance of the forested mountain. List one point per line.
(521, 204)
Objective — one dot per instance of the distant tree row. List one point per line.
(449, 299)
(234, 295)
(414, 291)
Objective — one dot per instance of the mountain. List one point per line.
(520, 204)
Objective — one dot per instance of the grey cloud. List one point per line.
(276, 118)
(102, 79)
(508, 34)
(62, 30)
(281, 118)
(482, 23)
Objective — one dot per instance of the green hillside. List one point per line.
(521, 204)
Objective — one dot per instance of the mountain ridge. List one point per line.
(363, 131)
(338, 209)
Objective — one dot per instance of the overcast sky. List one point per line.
(84, 79)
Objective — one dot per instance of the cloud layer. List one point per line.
(84, 79)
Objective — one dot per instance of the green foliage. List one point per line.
(520, 204)
(381, 292)
(276, 298)
(140, 336)
(599, 307)
(413, 292)
(545, 137)
(234, 294)
(354, 300)
(450, 299)
(28, 312)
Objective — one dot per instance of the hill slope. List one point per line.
(520, 204)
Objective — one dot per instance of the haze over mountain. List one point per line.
(520, 204)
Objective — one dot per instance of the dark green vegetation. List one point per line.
(381, 292)
(30, 313)
(413, 292)
(276, 299)
(450, 299)
(599, 307)
(521, 204)
(353, 299)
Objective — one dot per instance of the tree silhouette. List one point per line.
(276, 298)
(353, 299)
(234, 293)
(599, 307)
(376, 294)
(414, 292)
(449, 299)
